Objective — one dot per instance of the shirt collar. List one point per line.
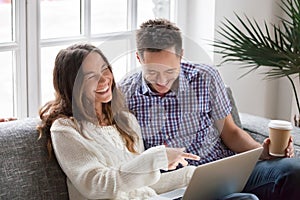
(183, 82)
(145, 87)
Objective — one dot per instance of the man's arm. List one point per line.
(234, 137)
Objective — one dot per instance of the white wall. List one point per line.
(196, 19)
(253, 95)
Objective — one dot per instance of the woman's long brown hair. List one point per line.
(66, 69)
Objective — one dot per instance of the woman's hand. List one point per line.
(289, 152)
(177, 155)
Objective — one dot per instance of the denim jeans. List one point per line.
(275, 179)
(235, 196)
(239, 196)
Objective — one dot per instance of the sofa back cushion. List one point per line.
(26, 171)
(234, 111)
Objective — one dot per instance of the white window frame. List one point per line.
(33, 57)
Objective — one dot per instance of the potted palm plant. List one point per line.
(273, 47)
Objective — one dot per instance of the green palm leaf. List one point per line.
(255, 47)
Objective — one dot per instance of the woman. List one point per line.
(96, 140)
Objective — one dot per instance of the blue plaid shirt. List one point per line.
(185, 116)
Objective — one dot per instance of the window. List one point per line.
(7, 80)
(12, 75)
(28, 48)
(106, 17)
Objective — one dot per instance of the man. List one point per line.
(181, 104)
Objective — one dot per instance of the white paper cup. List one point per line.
(279, 133)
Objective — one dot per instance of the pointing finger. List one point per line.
(190, 156)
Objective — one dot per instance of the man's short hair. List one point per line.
(157, 35)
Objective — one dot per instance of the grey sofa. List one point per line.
(257, 126)
(27, 173)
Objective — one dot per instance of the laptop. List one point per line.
(218, 178)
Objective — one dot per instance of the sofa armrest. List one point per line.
(257, 127)
(26, 172)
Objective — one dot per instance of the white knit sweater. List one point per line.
(99, 166)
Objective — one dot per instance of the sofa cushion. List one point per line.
(234, 111)
(257, 127)
(26, 172)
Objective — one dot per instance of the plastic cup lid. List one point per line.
(280, 124)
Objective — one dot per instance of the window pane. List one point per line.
(5, 21)
(48, 55)
(6, 87)
(60, 18)
(108, 16)
(119, 67)
(145, 11)
(118, 54)
(150, 9)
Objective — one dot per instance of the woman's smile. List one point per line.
(102, 90)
